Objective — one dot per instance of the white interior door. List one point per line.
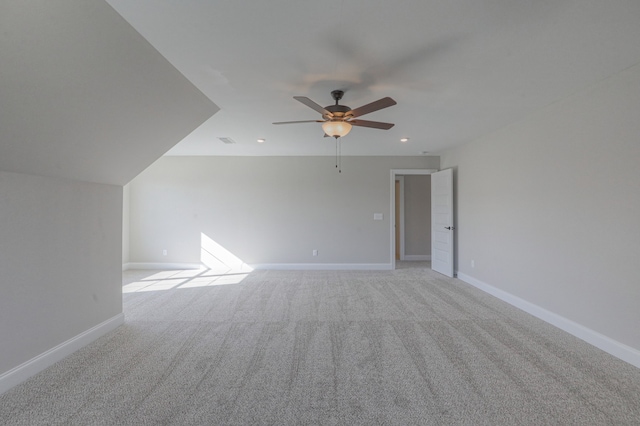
(442, 222)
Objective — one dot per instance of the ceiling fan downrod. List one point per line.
(337, 95)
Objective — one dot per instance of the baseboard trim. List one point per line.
(607, 344)
(24, 371)
(267, 266)
(161, 266)
(416, 257)
(324, 266)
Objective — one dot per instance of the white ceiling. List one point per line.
(459, 69)
(83, 96)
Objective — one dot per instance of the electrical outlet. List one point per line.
(315, 252)
(164, 252)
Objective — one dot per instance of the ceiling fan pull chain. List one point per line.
(336, 153)
(339, 142)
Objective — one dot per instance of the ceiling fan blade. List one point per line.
(373, 106)
(303, 121)
(372, 124)
(308, 102)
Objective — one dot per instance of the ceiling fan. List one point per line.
(338, 119)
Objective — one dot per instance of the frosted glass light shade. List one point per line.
(336, 128)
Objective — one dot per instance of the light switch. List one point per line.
(378, 216)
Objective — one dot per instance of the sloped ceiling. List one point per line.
(459, 69)
(84, 96)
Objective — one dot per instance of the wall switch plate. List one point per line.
(378, 216)
(164, 252)
(315, 252)
(473, 263)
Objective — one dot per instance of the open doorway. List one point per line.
(410, 217)
(399, 218)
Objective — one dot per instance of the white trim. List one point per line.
(607, 344)
(126, 266)
(46, 359)
(163, 266)
(274, 266)
(400, 179)
(324, 266)
(392, 206)
(414, 171)
(421, 257)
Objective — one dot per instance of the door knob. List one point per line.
(451, 228)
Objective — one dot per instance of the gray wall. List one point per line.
(266, 210)
(549, 208)
(60, 274)
(417, 215)
(85, 98)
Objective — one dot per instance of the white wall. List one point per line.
(266, 210)
(60, 275)
(549, 208)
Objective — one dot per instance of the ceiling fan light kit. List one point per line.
(338, 119)
(336, 128)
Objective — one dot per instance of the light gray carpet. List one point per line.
(403, 347)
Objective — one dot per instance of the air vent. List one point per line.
(227, 140)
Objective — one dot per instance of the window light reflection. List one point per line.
(219, 267)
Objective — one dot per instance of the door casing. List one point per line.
(395, 173)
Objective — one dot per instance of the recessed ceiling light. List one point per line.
(424, 152)
(404, 139)
(261, 140)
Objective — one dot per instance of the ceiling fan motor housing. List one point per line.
(338, 111)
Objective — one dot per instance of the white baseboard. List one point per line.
(161, 266)
(266, 266)
(324, 266)
(46, 359)
(416, 257)
(607, 344)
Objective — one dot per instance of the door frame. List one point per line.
(400, 232)
(392, 207)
